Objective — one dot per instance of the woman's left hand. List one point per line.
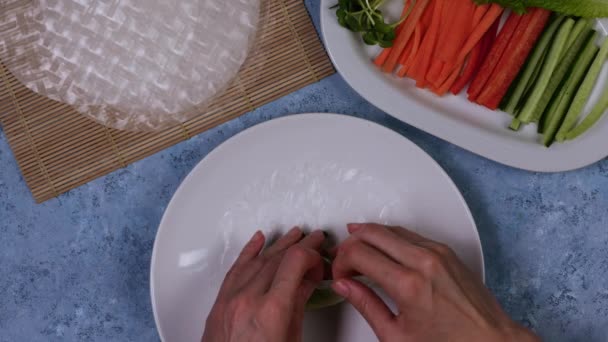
(265, 292)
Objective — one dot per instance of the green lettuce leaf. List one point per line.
(579, 8)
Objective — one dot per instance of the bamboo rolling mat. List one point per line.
(59, 149)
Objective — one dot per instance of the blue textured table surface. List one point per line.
(76, 267)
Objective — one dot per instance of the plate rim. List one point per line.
(555, 163)
(290, 117)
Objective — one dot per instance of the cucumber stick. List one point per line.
(592, 118)
(563, 99)
(533, 66)
(552, 61)
(515, 125)
(583, 94)
(580, 26)
(564, 66)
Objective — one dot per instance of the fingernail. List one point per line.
(354, 227)
(257, 236)
(294, 230)
(341, 288)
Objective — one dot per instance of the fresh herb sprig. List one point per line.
(363, 16)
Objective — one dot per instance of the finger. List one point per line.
(238, 270)
(265, 276)
(391, 244)
(286, 241)
(299, 261)
(369, 305)
(409, 249)
(313, 240)
(262, 279)
(251, 250)
(404, 233)
(357, 257)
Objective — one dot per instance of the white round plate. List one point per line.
(454, 118)
(316, 171)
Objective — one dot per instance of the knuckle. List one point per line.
(432, 264)
(348, 249)
(297, 252)
(364, 304)
(273, 309)
(411, 284)
(239, 306)
(443, 250)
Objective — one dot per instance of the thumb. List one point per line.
(369, 305)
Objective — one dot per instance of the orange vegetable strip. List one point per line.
(478, 32)
(434, 72)
(457, 31)
(405, 35)
(427, 16)
(406, 52)
(478, 55)
(480, 12)
(383, 56)
(406, 9)
(417, 38)
(448, 15)
(445, 87)
(498, 49)
(428, 46)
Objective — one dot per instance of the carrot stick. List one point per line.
(427, 16)
(480, 11)
(450, 7)
(498, 49)
(383, 56)
(478, 32)
(434, 71)
(417, 37)
(457, 31)
(405, 35)
(406, 53)
(478, 55)
(406, 9)
(445, 87)
(423, 60)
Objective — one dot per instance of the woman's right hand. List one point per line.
(437, 297)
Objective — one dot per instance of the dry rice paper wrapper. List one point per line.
(140, 65)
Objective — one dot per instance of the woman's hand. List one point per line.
(264, 293)
(438, 298)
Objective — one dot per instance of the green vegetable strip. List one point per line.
(515, 125)
(581, 26)
(562, 69)
(583, 94)
(531, 106)
(562, 101)
(579, 8)
(556, 110)
(532, 66)
(532, 82)
(591, 119)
